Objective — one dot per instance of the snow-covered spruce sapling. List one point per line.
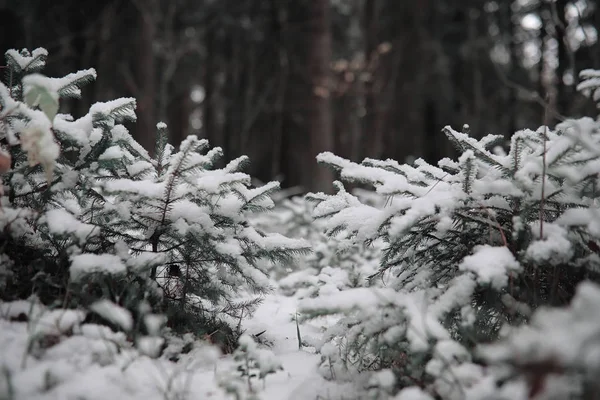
(111, 223)
(556, 354)
(195, 218)
(332, 265)
(292, 218)
(465, 250)
(26, 132)
(57, 229)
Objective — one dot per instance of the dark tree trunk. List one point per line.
(595, 49)
(231, 89)
(372, 138)
(319, 125)
(512, 100)
(278, 23)
(209, 126)
(106, 55)
(541, 84)
(178, 115)
(563, 91)
(145, 130)
(12, 32)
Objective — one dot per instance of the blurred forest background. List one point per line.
(282, 80)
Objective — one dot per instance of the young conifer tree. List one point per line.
(195, 217)
(472, 245)
(332, 266)
(89, 216)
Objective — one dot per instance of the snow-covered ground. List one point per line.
(299, 378)
(57, 358)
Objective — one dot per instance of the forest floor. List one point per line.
(85, 366)
(300, 378)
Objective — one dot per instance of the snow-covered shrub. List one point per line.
(34, 182)
(291, 217)
(252, 365)
(102, 225)
(558, 351)
(332, 265)
(61, 234)
(56, 355)
(471, 245)
(195, 216)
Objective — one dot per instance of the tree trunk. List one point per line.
(563, 91)
(595, 49)
(512, 98)
(278, 23)
(209, 126)
(372, 135)
(145, 130)
(178, 111)
(319, 125)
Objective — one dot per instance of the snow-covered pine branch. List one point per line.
(464, 251)
(112, 224)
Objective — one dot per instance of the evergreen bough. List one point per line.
(89, 216)
(472, 245)
(332, 265)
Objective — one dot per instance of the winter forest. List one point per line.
(300, 199)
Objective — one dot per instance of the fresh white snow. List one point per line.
(93, 362)
(84, 264)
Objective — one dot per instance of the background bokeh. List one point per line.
(282, 80)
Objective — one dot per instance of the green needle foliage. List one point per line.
(88, 215)
(471, 245)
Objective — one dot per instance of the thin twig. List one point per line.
(544, 168)
(493, 216)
